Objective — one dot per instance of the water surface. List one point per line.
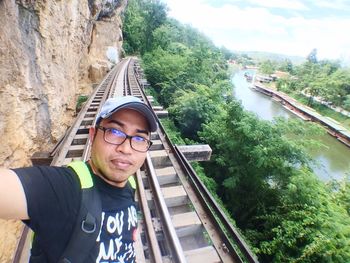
(332, 161)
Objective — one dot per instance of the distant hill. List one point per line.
(258, 55)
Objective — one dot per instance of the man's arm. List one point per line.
(13, 203)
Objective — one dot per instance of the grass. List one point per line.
(323, 110)
(81, 100)
(320, 108)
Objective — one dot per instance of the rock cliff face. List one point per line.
(50, 52)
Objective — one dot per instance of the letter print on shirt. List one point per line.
(117, 234)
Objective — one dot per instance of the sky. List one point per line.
(290, 27)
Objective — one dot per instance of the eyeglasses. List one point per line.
(117, 137)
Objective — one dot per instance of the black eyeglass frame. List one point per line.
(104, 129)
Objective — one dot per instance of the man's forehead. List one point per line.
(127, 117)
(115, 104)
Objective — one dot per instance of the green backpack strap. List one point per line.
(132, 182)
(88, 222)
(85, 178)
(83, 172)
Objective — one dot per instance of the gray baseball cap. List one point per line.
(112, 105)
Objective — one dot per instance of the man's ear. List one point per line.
(92, 131)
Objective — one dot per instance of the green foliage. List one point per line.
(341, 191)
(312, 57)
(155, 14)
(286, 65)
(133, 28)
(304, 228)
(267, 67)
(172, 132)
(287, 85)
(163, 36)
(80, 102)
(166, 72)
(285, 211)
(191, 109)
(141, 18)
(300, 133)
(324, 80)
(346, 103)
(339, 80)
(228, 54)
(209, 183)
(180, 59)
(249, 155)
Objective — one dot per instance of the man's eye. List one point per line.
(138, 139)
(116, 132)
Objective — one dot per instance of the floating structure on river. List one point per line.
(306, 113)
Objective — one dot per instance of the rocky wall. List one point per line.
(50, 52)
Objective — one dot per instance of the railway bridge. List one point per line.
(180, 221)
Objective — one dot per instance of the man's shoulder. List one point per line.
(43, 175)
(43, 169)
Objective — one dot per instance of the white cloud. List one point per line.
(334, 4)
(327, 35)
(285, 4)
(256, 28)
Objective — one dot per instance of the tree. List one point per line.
(252, 160)
(287, 85)
(337, 87)
(228, 54)
(141, 18)
(312, 57)
(162, 37)
(267, 67)
(133, 28)
(346, 104)
(193, 108)
(166, 72)
(286, 66)
(182, 58)
(155, 13)
(308, 226)
(263, 179)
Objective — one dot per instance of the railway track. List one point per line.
(179, 221)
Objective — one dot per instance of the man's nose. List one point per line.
(125, 147)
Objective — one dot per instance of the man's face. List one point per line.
(115, 163)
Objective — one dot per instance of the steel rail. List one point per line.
(154, 248)
(176, 249)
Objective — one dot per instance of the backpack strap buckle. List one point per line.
(89, 224)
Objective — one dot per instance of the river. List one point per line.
(333, 162)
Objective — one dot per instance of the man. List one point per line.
(48, 198)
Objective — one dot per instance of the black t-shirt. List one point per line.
(53, 198)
